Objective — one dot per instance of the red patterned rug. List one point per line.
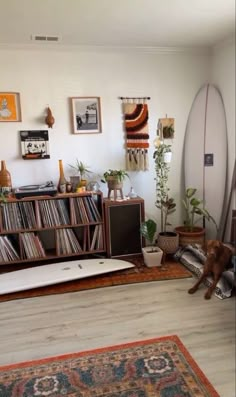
(140, 273)
(158, 367)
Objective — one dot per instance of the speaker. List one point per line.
(122, 224)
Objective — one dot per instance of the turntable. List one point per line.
(47, 189)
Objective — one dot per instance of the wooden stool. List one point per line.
(115, 193)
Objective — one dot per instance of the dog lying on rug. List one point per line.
(218, 258)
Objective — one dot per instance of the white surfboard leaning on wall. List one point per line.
(205, 153)
(40, 276)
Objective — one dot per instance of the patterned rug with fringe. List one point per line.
(160, 367)
(140, 273)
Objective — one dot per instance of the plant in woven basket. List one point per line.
(118, 175)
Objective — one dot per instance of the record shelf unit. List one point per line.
(46, 228)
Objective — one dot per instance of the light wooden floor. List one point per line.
(53, 325)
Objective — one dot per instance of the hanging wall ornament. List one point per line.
(137, 135)
(166, 128)
(49, 120)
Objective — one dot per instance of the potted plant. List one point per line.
(168, 131)
(114, 180)
(168, 241)
(114, 175)
(152, 254)
(167, 155)
(83, 170)
(189, 233)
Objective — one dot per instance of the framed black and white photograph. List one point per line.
(86, 115)
(34, 144)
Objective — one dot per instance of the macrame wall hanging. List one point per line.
(137, 134)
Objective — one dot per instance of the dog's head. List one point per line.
(214, 248)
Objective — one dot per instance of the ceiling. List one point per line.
(118, 23)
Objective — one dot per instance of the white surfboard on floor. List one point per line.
(206, 134)
(40, 276)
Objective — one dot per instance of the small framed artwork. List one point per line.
(86, 115)
(10, 106)
(34, 145)
(166, 128)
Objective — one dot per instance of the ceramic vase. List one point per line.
(5, 178)
(62, 180)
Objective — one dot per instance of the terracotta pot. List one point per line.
(196, 236)
(168, 242)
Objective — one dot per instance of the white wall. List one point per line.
(223, 76)
(45, 77)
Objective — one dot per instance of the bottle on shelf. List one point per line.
(62, 180)
(5, 179)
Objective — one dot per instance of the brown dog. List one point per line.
(217, 258)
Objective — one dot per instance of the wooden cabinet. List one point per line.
(44, 228)
(122, 223)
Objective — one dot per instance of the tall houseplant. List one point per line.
(167, 240)
(194, 213)
(165, 204)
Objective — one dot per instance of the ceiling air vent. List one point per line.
(40, 37)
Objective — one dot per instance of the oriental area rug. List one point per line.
(170, 270)
(159, 367)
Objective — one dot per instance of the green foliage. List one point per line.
(148, 230)
(120, 175)
(168, 131)
(168, 206)
(81, 168)
(3, 198)
(193, 206)
(163, 202)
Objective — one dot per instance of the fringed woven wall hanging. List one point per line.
(137, 134)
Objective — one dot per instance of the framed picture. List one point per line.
(166, 128)
(34, 144)
(86, 115)
(10, 106)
